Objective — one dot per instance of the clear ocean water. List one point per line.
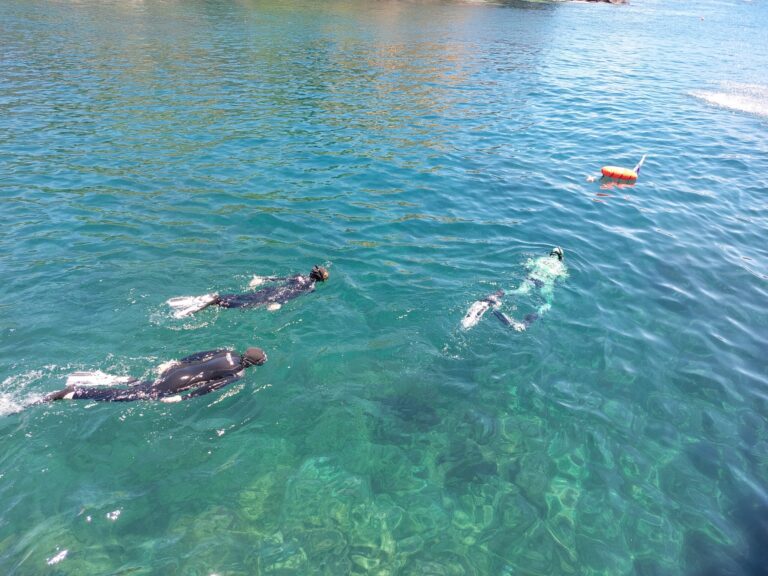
(423, 151)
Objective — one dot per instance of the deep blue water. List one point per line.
(423, 151)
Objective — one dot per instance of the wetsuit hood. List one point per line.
(253, 357)
(319, 274)
(557, 251)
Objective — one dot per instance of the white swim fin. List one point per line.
(186, 305)
(480, 307)
(475, 312)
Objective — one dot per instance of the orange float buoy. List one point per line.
(618, 173)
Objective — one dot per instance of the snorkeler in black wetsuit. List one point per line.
(199, 374)
(273, 297)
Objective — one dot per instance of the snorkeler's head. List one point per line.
(557, 251)
(254, 357)
(319, 273)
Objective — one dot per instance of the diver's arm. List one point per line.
(259, 280)
(212, 385)
(294, 291)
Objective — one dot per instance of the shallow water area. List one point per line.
(423, 152)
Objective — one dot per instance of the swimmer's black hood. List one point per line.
(557, 251)
(253, 357)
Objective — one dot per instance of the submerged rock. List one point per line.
(464, 463)
(340, 525)
(281, 557)
(322, 494)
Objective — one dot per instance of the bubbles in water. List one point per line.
(9, 405)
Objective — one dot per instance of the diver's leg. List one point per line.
(530, 319)
(97, 378)
(111, 394)
(74, 393)
(548, 294)
(503, 318)
(247, 300)
(102, 394)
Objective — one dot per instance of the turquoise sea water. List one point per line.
(423, 151)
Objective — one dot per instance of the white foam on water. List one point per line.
(14, 397)
(751, 98)
(10, 405)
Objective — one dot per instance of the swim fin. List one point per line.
(187, 305)
(480, 307)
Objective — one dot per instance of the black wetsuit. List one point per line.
(202, 373)
(292, 287)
